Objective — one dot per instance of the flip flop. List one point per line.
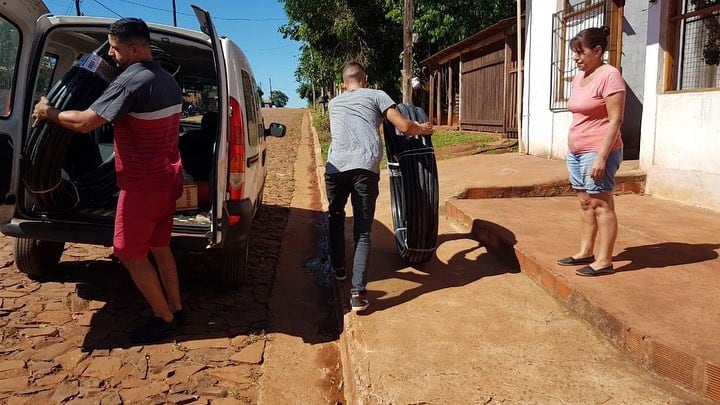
(571, 261)
(588, 271)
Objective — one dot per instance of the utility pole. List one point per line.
(520, 76)
(174, 14)
(407, 51)
(77, 7)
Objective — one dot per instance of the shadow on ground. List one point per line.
(666, 254)
(463, 267)
(115, 306)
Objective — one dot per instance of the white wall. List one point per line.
(680, 131)
(680, 144)
(539, 136)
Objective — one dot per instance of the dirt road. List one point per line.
(64, 340)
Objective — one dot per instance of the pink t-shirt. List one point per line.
(587, 103)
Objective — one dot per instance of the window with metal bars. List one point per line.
(695, 28)
(576, 16)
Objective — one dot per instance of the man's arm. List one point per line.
(406, 126)
(79, 121)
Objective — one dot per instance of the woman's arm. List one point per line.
(615, 105)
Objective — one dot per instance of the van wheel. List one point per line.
(37, 258)
(234, 264)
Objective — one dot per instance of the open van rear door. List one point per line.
(18, 22)
(218, 181)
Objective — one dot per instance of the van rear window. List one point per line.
(46, 74)
(9, 50)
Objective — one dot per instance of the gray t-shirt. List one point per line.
(355, 117)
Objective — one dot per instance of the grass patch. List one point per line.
(446, 138)
(321, 122)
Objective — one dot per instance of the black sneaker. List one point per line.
(358, 302)
(181, 317)
(155, 330)
(340, 273)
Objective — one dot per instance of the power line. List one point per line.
(107, 8)
(71, 5)
(188, 14)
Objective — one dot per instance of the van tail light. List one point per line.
(236, 150)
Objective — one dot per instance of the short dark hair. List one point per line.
(353, 70)
(590, 38)
(130, 28)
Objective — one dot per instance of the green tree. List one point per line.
(439, 24)
(305, 91)
(346, 30)
(278, 98)
(370, 32)
(9, 43)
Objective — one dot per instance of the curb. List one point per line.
(349, 383)
(625, 183)
(684, 369)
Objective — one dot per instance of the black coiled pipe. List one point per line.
(44, 152)
(414, 193)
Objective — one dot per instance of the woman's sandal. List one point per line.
(571, 261)
(589, 271)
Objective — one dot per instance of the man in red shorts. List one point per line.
(144, 104)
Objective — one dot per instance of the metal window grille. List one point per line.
(566, 24)
(699, 50)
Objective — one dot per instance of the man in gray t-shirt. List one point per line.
(353, 169)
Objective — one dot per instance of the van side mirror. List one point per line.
(276, 130)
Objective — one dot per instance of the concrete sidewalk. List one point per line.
(662, 306)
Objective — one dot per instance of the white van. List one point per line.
(224, 159)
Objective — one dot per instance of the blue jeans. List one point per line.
(579, 166)
(362, 186)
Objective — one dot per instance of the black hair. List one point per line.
(590, 38)
(130, 28)
(353, 70)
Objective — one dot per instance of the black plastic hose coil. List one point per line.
(413, 189)
(45, 149)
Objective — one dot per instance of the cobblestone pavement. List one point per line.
(65, 340)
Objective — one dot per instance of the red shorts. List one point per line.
(143, 220)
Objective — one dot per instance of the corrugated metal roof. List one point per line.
(469, 43)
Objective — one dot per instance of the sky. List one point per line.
(252, 24)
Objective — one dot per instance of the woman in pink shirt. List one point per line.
(595, 150)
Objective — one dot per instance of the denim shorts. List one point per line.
(579, 166)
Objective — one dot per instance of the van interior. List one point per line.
(192, 64)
